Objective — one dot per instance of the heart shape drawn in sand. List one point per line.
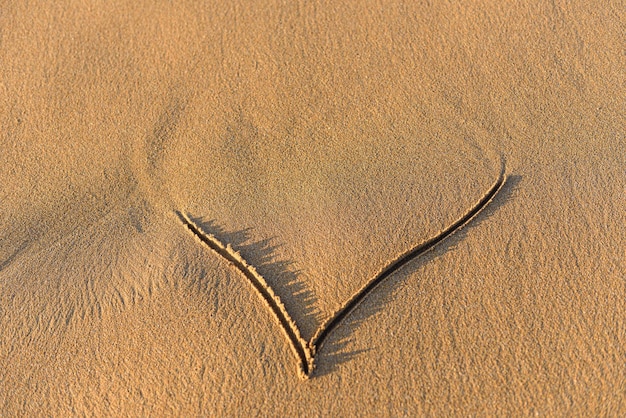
(305, 351)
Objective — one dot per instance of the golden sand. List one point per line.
(194, 192)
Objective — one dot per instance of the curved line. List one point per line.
(353, 302)
(305, 352)
(298, 344)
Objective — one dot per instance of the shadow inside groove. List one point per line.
(281, 275)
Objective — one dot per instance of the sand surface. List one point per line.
(319, 141)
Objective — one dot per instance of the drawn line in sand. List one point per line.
(291, 330)
(305, 352)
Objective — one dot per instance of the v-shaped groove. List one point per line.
(306, 352)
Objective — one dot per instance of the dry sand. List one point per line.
(320, 141)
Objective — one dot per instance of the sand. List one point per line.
(317, 142)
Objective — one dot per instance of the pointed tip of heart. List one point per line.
(306, 369)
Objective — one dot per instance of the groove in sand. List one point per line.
(332, 322)
(306, 352)
(291, 330)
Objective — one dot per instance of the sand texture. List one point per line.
(307, 208)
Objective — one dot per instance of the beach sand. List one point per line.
(316, 142)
